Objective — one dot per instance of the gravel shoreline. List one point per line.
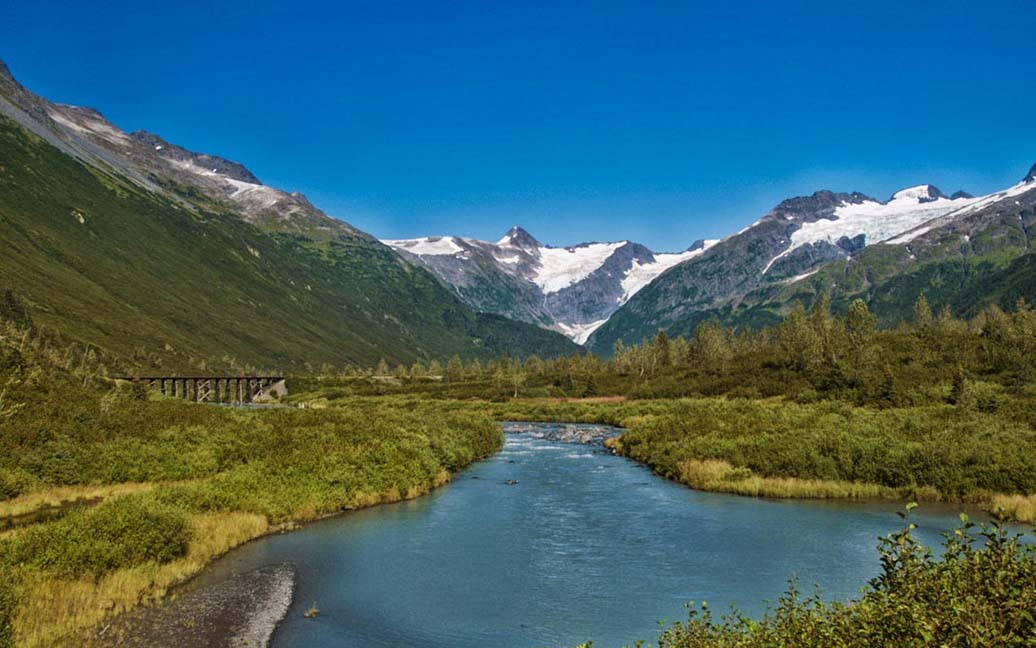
(242, 610)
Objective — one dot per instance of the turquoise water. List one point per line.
(585, 546)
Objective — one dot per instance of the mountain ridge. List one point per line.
(143, 251)
(844, 245)
(571, 289)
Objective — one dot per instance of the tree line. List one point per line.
(810, 353)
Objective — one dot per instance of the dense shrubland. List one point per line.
(134, 494)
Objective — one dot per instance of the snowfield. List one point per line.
(876, 221)
(552, 269)
(971, 206)
(579, 333)
(640, 275)
(433, 245)
(559, 268)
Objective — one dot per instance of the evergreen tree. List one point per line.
(454, 369)
(382, 369)
(435, 369)
(888, 386)
(797, 341)
(922, 313)
(591, 387)
(661, 350)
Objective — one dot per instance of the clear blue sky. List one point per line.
(661, 122)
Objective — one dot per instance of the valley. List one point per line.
(229, 417)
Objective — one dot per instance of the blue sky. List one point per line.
(661, 122)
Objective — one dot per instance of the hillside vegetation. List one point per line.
(109, 497)
(818, 406)
(107, 263)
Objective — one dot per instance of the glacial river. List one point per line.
(584, 546)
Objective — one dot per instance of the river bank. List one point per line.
(829, 450)
(208, 480)
(506, 554)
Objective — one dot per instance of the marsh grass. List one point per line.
(56, 610)
(721, 477)
(1020, 508)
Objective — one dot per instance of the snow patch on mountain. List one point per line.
(968, 206)
(559, 268)
(876, 221)
(641, 274)
(579, 333)
(255, 196)
(432, 245)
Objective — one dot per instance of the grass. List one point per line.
(1021, 508)
(720, 476)
(56, 610)
(63, 496)
(198, 298)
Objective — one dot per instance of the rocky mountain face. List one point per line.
(845, 245)
(572, 289)
(130, 242)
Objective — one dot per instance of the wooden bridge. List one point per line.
(216, 389)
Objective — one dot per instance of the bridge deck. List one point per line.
(216, 389)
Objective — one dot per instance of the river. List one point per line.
(581, 545)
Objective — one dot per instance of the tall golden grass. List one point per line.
(720, 476)
(56, 611)
(1020, 508)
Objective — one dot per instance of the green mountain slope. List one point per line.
(176, 283)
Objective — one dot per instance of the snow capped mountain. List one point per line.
(569, 289)
(874, 221)
(773, 260)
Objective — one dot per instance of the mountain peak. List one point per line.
(518, 237)
(1031, 176)
(921, 194)
(222, 166)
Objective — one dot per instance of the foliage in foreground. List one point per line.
(980, 592)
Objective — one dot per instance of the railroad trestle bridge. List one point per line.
(216, 389)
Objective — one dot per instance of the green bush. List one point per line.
(12, 483)
(7, 606)
(981, 592)
(121, 532)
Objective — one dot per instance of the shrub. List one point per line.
(119, 533)
(12, 484)
(7, 605)
(981, 592)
